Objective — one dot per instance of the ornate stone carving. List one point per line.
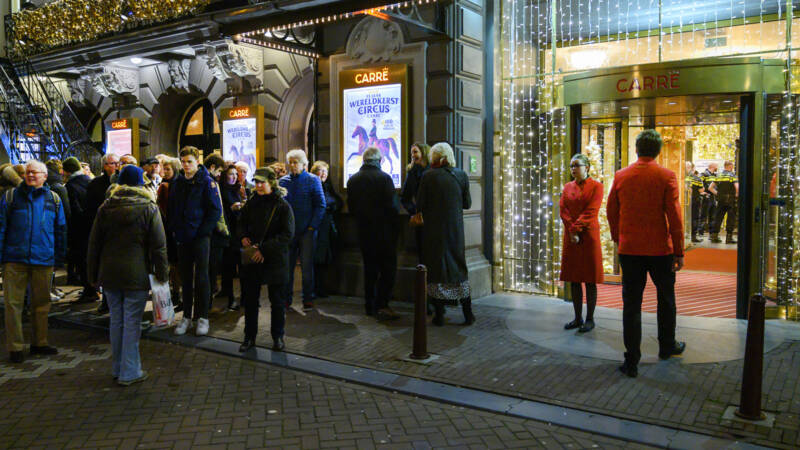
(179, 74)
(75, 87)
(374, 39)
(110, 80)
(232, 62)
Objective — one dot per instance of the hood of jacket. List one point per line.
(125, 203)
(53, 177)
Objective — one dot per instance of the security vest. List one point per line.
(708, 178)
(695, 183)
(726, 191)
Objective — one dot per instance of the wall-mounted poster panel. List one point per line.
(374, 114)
(122, 137)
(243, 136)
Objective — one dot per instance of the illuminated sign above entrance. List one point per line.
(122, 136)
(119, 124)
(660, 82)
(243, 136)
(381, 76)
(238, 113)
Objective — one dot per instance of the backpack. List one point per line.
(10, 198)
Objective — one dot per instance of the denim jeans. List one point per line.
(127, 308)
(302, 246)
(193, 263)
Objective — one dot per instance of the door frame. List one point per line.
(751, 77)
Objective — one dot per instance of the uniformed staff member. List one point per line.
(696, 190)
(726, 186)
(709, 198)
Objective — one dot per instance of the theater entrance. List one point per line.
(719, 121)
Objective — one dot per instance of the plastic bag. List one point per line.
(163, 312)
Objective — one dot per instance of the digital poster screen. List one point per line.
(120, 142)
(374, 105)
(239, 137)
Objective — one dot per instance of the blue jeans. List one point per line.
(127, 308)
(302, 246)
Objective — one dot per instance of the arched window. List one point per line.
(201, 128)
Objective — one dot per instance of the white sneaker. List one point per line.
(183, 326)
(202, 327)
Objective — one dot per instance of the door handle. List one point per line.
(757, 214)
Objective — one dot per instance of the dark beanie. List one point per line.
(131, 175)
(71, 165)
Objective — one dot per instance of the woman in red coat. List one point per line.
(581, 257)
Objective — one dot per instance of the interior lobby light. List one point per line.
(587, 59)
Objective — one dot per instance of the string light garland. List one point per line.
(335, 17)
(542, 41)
(64, 22)
(281, 47)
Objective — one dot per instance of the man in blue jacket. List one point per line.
(192, 213)
(32, 240)
(304, 193)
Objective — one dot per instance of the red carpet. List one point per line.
(696, 294)
(711, 260)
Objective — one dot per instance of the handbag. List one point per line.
(416, 220)
(248, 252)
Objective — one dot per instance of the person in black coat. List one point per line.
(78, 226)
(55, 181)
(327, 233)
(232, 203)
(371, 198)
(266, 221)
(96, 195)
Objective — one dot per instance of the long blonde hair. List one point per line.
(425, 149)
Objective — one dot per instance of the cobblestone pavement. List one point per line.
(197, 399)
(488, 356)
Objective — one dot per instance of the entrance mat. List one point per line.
(711, 260)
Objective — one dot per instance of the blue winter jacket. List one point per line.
(194, 206)
(304, 193)
(33, 229)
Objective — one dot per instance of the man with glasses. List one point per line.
(77, 184)
(96, 194)
(32, 241)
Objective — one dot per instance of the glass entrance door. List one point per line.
(604, 142)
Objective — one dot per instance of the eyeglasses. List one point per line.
(33, 172)
(577, 165)
(112, 163)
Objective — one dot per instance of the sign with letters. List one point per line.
(374, 114)
(122, 136)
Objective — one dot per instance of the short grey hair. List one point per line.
(40, 166)
(371, 154)
(105, 157)
(241, 165)
(445, 152)
(297, 154)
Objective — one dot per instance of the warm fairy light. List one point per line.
(609, 33)
(283, 48)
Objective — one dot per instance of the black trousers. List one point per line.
(216, 250)
(231, 257)
(707, 214)
(697, 211)
(634, 277)
(380, 270)
(251, 292)
(193, 265)
(725, 207)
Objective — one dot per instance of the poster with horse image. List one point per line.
(239, 143)
(373, 118)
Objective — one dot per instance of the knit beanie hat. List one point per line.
(71, 165)
(131, 175)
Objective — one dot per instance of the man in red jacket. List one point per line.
(644, 216)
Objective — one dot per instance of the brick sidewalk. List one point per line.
(197, 399)
(488, 356)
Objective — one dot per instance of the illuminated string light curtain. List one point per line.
(590, 34)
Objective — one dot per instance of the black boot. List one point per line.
(438, 317)
(715, 238)
(695, 239)
(466, 308)
(729, 239)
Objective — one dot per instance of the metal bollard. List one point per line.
(420, 350)
(750, 402)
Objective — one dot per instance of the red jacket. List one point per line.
(644, 212)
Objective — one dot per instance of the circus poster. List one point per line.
(239, 143)
(373, 118)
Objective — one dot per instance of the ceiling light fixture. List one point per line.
(136, 60)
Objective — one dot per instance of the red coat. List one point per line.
(580, 203)
(644, 211)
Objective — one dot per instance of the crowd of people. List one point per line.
(192, 223)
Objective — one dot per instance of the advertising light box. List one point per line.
(374, 114)
(243, 136)
(122, 137)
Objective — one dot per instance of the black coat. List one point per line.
(54, 180)
(230, 195)
(95, 196)
(327, 233)
(443, 195)
(127, 241)
(78, 226)
(253, 219)
(373, 201)
(408, 193)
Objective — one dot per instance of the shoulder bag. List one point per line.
(248, 252)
